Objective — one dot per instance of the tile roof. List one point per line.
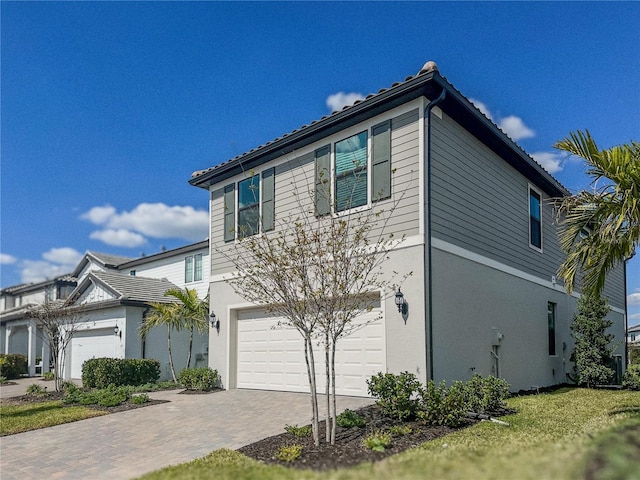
(140, 289)
(108, 259)
(428, 71)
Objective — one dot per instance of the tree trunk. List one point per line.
(333, 415)
(173, 371)
(190, 348)
(311, 372)
(328, 389)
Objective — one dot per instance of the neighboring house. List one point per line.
(480, 239)
(115, 293)
(633, 335)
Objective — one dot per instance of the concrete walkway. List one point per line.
(128, 444)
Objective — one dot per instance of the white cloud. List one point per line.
(119, 237)
(6, 259)
(99, 215)
(515, 128)
(551, 161)
(63, 256)
(57, 261)
(633, 299)
(150, 219)
(633, 318)
(511, 125)
(482, 107)
(339, 100)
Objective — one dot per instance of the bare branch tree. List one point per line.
(58, 320)
(320, 273)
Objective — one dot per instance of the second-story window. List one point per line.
(535, 219)
(197, 267)
(193, 268)
(252, 209)
(356, 173)
(249, 206)
(351, 161)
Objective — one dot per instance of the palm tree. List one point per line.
(163, 314)
(193, 313)
(601, 227)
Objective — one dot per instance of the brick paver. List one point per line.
(128, 444)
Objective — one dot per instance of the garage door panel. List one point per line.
(90, 344)
(271, 357)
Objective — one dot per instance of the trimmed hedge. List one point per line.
(102, 372)
(12, 365)
(200, 378)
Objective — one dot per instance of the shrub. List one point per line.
(349, 418)
(592, 352)
(298, 431)
(154, 387)
(102, 372)
(377, 441)
(200, 378)
(631, 378)
(36, 390)
(12, 365)
(400, 430)
(442, 406)
(140, 399)
(3, 380)
(634, 354)
(484, 394)
(48, 376)
(396, 395)
(288, 453)
(106, 397)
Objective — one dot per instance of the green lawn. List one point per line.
(555, 436)
(22, 418)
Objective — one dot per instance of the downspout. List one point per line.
(428, 289)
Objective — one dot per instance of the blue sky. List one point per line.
(107, 108)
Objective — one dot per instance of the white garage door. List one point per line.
(272, 357)
(90, 344)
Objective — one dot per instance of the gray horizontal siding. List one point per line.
(481, 203)
(296, 174)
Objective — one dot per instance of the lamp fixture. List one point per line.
(401, 302)
(215, 323)
(117, 332)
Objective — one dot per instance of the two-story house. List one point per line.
(478, 222)
(115, 294)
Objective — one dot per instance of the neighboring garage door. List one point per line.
(272, 358)
(90, 344)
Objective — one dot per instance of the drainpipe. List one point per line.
(428, 289)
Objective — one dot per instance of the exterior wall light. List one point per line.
(401, 302)
(215, 323)
(117, 332)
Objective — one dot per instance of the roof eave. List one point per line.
(419, 85)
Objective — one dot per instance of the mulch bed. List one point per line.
(348, 449)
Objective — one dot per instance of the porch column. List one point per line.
(46, 354)
(7, 334)
(32, 348)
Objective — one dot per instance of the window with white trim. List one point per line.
(249, 206)
(357, 171)
(535, 218)
(193, 268)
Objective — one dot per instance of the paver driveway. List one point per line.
(128, 444)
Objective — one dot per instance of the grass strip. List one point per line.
(22, 418)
